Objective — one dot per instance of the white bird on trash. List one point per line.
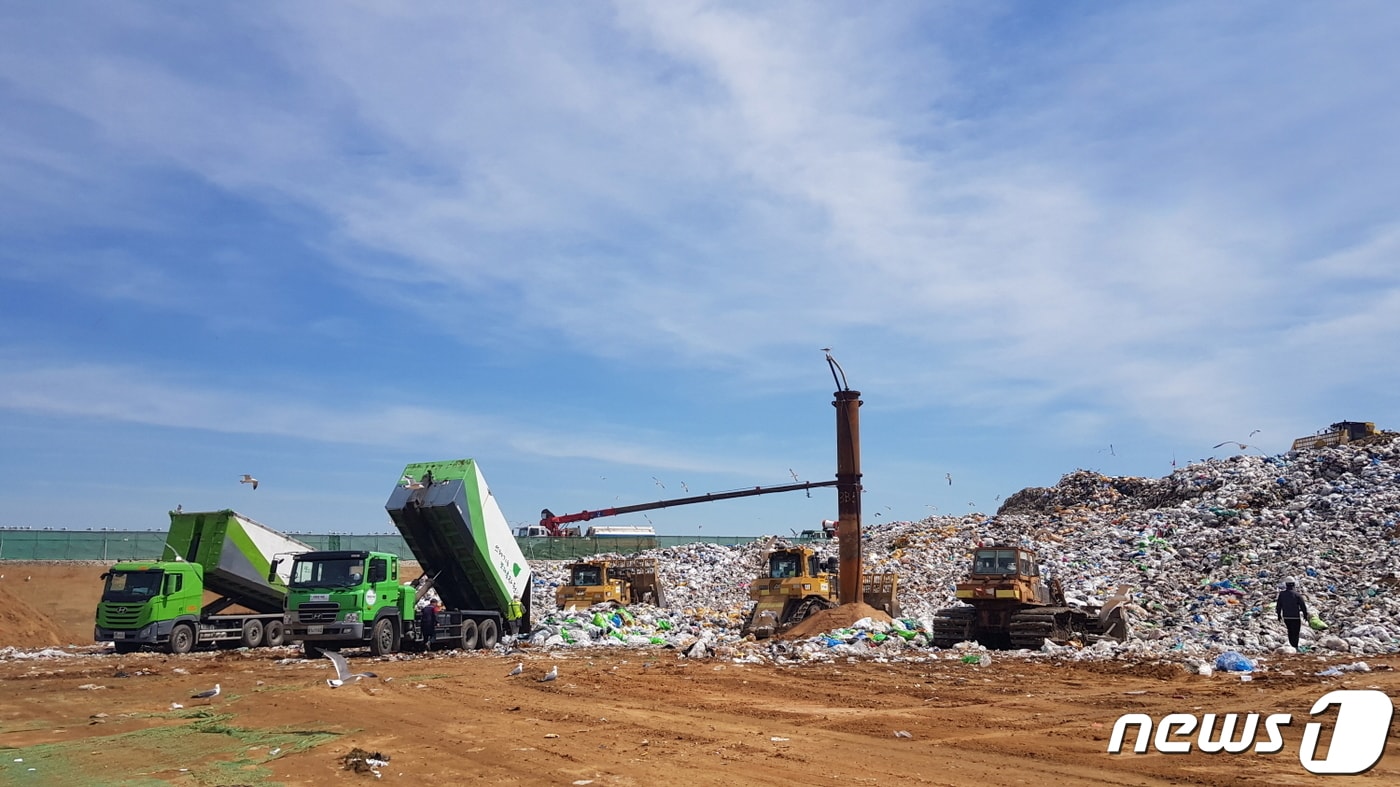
(519, 668)
(408, 483)
(342, 671)
(247, 479)
(207, 695)
(551, 675)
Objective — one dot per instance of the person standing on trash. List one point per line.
(1292, 610)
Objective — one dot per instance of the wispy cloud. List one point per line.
(1071, 217)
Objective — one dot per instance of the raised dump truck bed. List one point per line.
(461, 539)
(235, 552)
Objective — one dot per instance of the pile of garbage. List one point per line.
(1201, 553)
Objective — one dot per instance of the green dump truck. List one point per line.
(463, 544)
(161, 603)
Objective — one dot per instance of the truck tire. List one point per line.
(488, 634)
(384, 637)
(469, 634)
(252, 635)
(181, 639)
(272, 633)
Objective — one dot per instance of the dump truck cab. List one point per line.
(616, 582)
(347, 598)
(142, 601)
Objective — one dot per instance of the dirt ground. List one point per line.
(613, 717)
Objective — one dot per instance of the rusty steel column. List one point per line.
(847, 406)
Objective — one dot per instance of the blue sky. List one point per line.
(598, 247)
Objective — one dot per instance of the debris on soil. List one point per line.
(361, 761)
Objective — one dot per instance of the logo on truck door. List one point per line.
(369, 597)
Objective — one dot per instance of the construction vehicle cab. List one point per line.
(616, 582)
(1007, 603)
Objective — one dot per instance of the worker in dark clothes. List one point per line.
(428, 620)
(1292, 610)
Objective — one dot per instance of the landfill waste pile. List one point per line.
(1202, 554)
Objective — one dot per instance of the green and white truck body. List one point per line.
(468, 555)
(160, 603)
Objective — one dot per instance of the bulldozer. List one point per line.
(798, 584)
(616, 582)
(1008, 604)
(1337, 434)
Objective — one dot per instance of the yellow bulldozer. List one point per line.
(1336, 434)
(798, 584)
(615, 582)
(1007, 603)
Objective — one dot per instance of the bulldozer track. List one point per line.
(1030, 628)
(953, 625)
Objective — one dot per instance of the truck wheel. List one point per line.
(252, 634)
(181, 639)
(469, 634)
(488, 635)
(272, 633)
(384, 638)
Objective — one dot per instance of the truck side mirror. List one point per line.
(104, 576)
(272, 570)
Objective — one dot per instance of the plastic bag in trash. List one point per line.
(1316, 624)
(1232, 661)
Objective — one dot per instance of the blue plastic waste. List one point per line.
(1231, 661)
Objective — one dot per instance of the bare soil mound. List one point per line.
(834, 618)
(45, 603)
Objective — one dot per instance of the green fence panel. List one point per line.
(24, 544)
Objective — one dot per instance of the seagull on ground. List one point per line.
(206, 695)
(519, 668)
(343, 674)
(551, 675)
(247, 479)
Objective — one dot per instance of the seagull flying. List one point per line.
(658, 482)
(247, 479)
(206, 695)
(408, 482)
(949, 476)
(793, 473)
(519, 668)
(551, 675)
(1255, 432)
(1242, 446)
(343, 674)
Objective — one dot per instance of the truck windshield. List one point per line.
(127, 587)
(329, 573)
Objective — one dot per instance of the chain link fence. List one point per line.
(20, 544)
